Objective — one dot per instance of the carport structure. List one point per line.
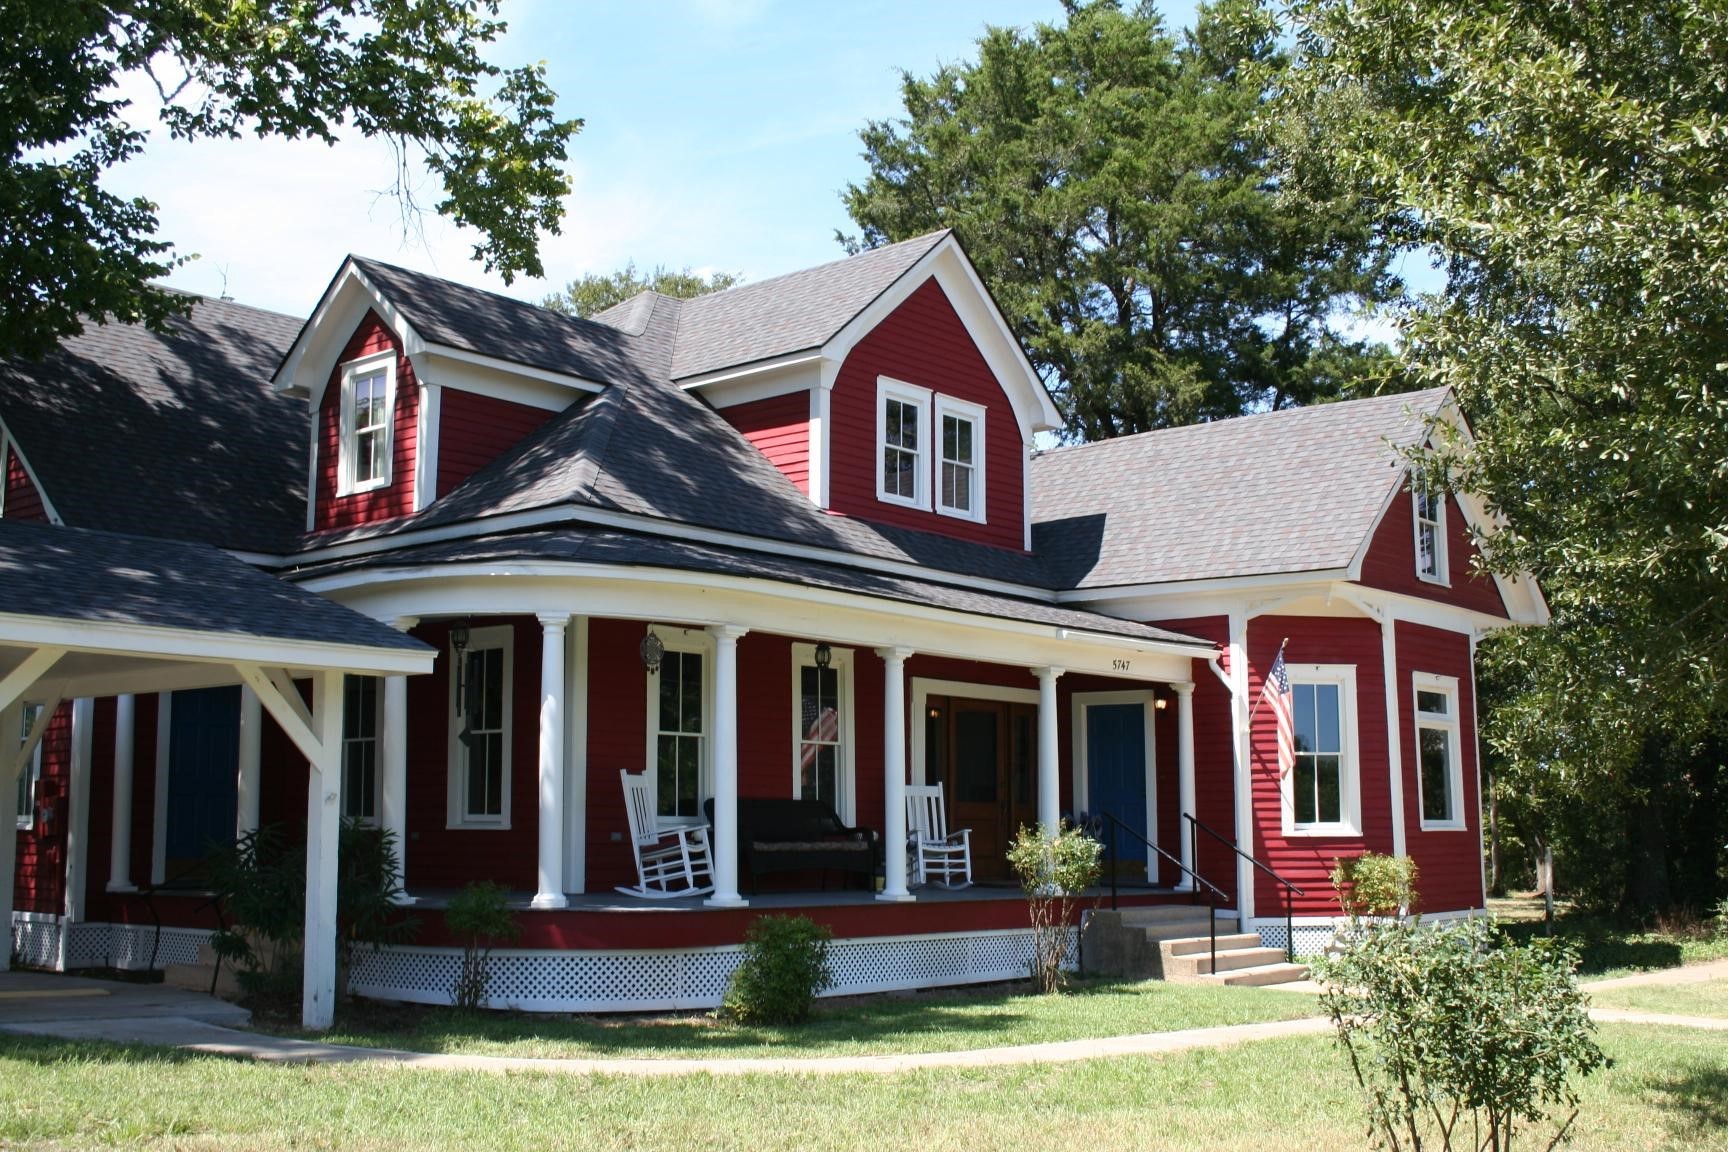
(87, 614)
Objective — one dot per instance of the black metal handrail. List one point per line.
(173, 884)
(1291, 891)
(1213, 892)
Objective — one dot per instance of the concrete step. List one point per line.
(1259, 976)
(1167, 913)
(1186, 929)
(1184, 968)
(1190, 945)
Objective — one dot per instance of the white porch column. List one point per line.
(11, 721)
(550, 893)
(251, 744)
(726, 766)
(120, 836)
(576, 757)
(1394, 729)
(393, 765)
(1240, 715)
(894, 774)
(323, 831)
(1185, 777)
(77, 822)
(1049, 783)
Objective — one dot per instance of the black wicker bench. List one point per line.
(786, 835)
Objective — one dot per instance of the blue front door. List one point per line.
(1116, 772)
(203, 762)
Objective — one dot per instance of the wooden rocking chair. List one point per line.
(670, 861)
(938, 856)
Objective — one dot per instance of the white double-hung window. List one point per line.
(368, 405)
(1430, 534)
(1439, 754)
(822, 739)
(903, 443)
(480, 698)
(1321, 793)
(32, 769)
(680, 718)
(960, 464)
(360, 748)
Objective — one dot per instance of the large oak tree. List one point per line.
(410, 71)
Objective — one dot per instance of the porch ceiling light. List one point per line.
(824, 655)
(652, 650)
(1160, 703)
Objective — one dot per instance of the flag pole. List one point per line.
(1255, 711)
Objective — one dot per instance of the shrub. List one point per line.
(480, 917)
(785, 968)
(1376, 885)
(1054, 871)
(1453, 1031)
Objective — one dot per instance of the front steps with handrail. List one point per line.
(1176, 943)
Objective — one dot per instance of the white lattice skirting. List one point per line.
(649, 981)
(36, 944)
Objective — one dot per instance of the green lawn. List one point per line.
(1706, 999)
(936, 1021)
(1668, 1088)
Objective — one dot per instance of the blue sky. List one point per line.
(719, 134)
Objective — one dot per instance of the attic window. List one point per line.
(368, 404)
(960, 467)
(1430, 535)
(903, 439)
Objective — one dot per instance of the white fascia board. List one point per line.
(703, 599)
(451, 367)
(1034, 410)
(9, 440)
(306, 370)
(118, 639)
(1418, 610)
(652, 526)
(742, 372)
(1120, 599)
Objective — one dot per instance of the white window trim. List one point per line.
(1442, 573)
(678, 639)
(1350, 768)
(32, 770)
(1453, 727)
(502, 636)
(965, 410)
(804, 655)
(377, 740)
(887, 388)
(347, 458)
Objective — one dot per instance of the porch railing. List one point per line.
(1197, 826)
(1213, 892)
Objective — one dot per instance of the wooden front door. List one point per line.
(984, 754)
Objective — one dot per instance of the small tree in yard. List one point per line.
(480, 917)
(1375, 885)
(1454, 1033)
(1054, 871)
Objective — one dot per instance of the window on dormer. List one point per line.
(368, 399)
(1430, 535)
(903, 438)
(960, 468)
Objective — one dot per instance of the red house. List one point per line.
(790, 541)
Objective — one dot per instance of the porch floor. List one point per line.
(612, 901)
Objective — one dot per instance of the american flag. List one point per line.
(1276, 692)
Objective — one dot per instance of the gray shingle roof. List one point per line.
(790, 313)
(100, 577)
(473, 320)
(1282, 492)
(604, 546)
(177, 434)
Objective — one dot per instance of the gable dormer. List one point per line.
(886, 386)
(415, 383)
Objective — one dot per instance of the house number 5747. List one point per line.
(1119, 665)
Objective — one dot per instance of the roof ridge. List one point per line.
(560, 317)
(932, 238)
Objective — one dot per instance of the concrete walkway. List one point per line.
(78, 1009)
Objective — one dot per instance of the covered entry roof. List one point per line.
(130, 614)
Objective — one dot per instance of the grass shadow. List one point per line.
(1695, 1096)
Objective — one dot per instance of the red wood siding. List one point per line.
(442, 857)
(474, 430)
(1449, 863)
(396, 498)
(23, 501)
(1214, 763)
(1391, 560)
(923, 342)
(39, 883)
(1307, 861)
(779, 427)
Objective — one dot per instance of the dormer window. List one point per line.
(960, 469)
(1430, 535)
(368, 406)
(903, 436)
